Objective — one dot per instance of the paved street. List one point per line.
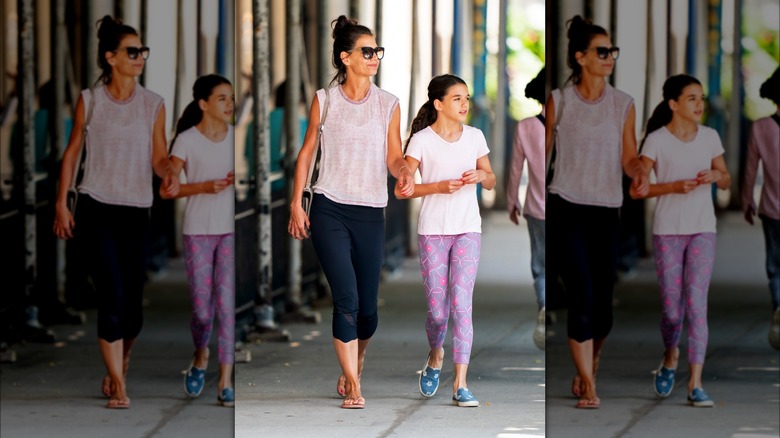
(290, 389)
(740, 373)
(54, 390)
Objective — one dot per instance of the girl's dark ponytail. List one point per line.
(191, 116)
(662, 115)
(425, 118)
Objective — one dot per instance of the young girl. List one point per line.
(203, 146)
(687, 159)
(452, 158)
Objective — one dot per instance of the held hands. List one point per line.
(298, 226)
(406, 181)
(63, 222)
(640, 185)
(170, 185)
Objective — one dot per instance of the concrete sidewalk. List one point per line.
(741, 371)
(54, 390)
(289, 390)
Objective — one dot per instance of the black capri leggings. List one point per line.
(116, 240)
(350, 241)
(585, 246)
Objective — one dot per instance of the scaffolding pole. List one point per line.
(260, 92)
(26, 93)
(292, 129)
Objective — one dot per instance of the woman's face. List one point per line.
(455, 104)
(356, 63)
(690, 104)
(120, 61)
(592, 64)
(220, 103)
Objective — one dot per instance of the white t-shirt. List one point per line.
(693, 212)
(204, 160)
(456, 213)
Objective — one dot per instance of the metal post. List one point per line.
(354, 9)
(56, 114)
(179, 64)
(292, 130)
(733, 139)
(260, 92)
(500, 159)
(378, 31)
(58, 77)
(326, 44)
(26, 92)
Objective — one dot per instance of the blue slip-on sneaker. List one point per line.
(194, 381)
(227, 397)
(700, 399)
(663, 382)
(464, 398)
(429, 379)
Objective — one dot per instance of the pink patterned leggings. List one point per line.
(210, 264)
(683, 264)
(449, 268)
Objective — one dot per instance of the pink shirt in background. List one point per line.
(528, 146)
(764, 145)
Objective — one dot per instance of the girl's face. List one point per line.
(220, 103)
(592, 64)
(455, 104)
(120, 59)
(690, 104)
(356, 62)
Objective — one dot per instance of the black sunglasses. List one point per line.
(133, 52)
(603, 52)
(368, 52)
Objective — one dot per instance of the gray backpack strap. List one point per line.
(320, 127)
(84, 132)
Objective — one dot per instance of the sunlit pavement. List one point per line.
(55, 390)
(741, 371)
(289, 390)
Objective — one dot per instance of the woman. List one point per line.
(203, 147)
(687, 159)
(764, 146)
(452, 158)
(126, 143)
(595, 145)
(361, 141)
(527, 147)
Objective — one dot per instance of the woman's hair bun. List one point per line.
(106, 27)
(340, 23)
(577, 25)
